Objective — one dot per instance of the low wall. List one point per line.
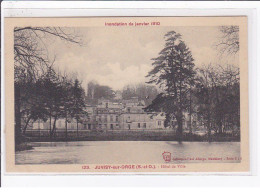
(122, 135)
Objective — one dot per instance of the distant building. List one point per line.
(134, 117)
(107, 114)
(91, 117)
(112, 115)
(118, 95)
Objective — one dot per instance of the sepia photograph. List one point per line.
(130, 94)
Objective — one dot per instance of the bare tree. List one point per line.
(204, 93)
(218, 99)
(31, 61)
(30, 51)
(229, 40)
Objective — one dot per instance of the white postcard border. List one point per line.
(252, 80)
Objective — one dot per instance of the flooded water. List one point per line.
(108, 152)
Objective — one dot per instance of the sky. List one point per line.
(117, 56)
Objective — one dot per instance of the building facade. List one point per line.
(133, 116)
(111, 115)
(107, 115)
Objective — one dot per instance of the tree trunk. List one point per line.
(209, 128)
(219, 123)
(50, 126)
(66, 128)
(179, 128)
(77, 129)
(208, 116)
(190, 113)
(53, 133)
(219, 113)
(26, 124)
(18, 126)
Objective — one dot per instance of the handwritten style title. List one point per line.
(132, 24)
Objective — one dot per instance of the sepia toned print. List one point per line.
(148, 94)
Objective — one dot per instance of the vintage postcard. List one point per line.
(126, 95)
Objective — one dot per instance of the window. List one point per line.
(128, 109)
(111, 117)
(100, 126)
(85, 126)
(106, 105)
(116, 118)
(105, 118)
(99, 118)
(159, 123)
(144, 125)
(111, 126)
(139, 125)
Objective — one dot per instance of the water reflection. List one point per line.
(100, 152)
